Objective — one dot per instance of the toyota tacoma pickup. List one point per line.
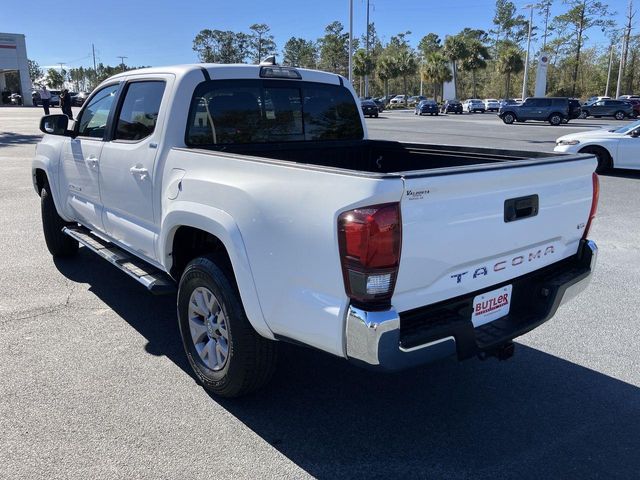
(253, 191)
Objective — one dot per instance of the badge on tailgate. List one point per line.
(491, 305)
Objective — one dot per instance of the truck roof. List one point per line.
(230, 71)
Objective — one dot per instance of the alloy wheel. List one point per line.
(208, 327)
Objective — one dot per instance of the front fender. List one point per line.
(222, 226)
(47, 159)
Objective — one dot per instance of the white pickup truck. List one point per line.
(254, 191)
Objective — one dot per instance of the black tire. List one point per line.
(583, 115)
(251, 359)
(602, 155)
(555, 119)
(619, 115)
(508, 118)
(436, 114)
(58, 243)
(376, 115)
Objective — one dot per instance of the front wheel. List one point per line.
(583, 115)
(604, 160)
(227, 355)
(619, 115)
(508, 118)
(58, 243)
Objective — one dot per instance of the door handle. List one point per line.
(141, 172)
(92, 161)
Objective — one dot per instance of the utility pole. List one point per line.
(526, 62)
(421, 81)
(366, 77)
(93, 49)
(61, 66)
(350, 41)
(606, 90)
(122, 57)
(625, 46)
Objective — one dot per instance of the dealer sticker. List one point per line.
(491, 305)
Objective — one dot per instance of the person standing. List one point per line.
(45, 98)
(65, 103)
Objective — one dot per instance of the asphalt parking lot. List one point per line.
(94, 382)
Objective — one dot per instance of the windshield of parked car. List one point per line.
(263, 111)
(627, 128)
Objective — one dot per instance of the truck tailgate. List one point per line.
(467, 231)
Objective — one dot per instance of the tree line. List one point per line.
(483, 63)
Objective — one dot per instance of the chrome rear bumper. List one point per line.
(375, 338)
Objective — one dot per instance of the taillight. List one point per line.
(370, 239)
(594, 204)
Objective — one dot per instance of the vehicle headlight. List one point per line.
(567, 142)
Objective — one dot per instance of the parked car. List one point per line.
(452, 106)
(369, 108)
(617, 148)
(575, 110)
(398, 99)
(380, 103)
(281, 221)
(618, 109)
(426, 106)
(473, 105)
(629, 97)
(415, 100)
(635, 104)
(596, 99)
(507, 101)
(491, 105)
(554, 110)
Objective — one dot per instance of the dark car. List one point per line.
(369, 108)
(619, 109)
(380, 103)
(452, 106)
(554, 110)
(635, 104)
(426, 106)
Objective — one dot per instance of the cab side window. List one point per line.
(139, 112)
(93, 121)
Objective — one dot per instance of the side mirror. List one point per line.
(54, 124)
(635, 133)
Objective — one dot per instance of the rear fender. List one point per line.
(221, 225)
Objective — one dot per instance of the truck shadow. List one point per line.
(535, 416)
(10, 138)
(622, 173)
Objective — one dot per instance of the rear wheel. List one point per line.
(58, 243)
(619, 115)
(227, 355)
(508, 118)
(583, 115)
(602, 155)
(555, 119)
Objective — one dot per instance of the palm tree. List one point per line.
(509, 62)
(455, 49)
(476, 59)
(387, 69)
(436, 71)
(407, 65)
(362, 65)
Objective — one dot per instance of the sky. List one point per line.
(161, 32)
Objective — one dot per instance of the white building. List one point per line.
(13, 58)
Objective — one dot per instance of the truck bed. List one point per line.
(380, 156)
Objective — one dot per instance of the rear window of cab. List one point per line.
(225, 112)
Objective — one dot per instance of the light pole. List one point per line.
(366, 77)
(606, 90)
(421, 81)
(350, 41)
(526, 61)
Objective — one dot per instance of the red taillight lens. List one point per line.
(370, 239)
(594, 204)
